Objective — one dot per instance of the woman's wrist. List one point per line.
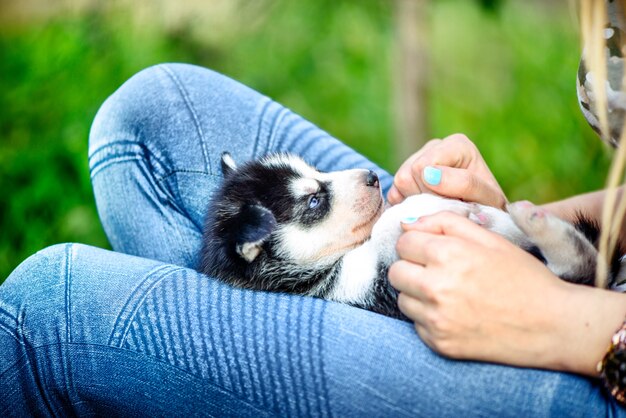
(587, 320)
(589, 204)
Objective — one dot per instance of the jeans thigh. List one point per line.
(155, 150)
(88, 331)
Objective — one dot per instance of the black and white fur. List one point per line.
(278, 224)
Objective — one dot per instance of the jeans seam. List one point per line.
(5, 315)
(280, 115)
(324, 384)
(118, 336)
(151, 164)
(173, 172)
(109, 161)
(108, 144)
(266, 106)
(235, 359)
(67, 376)
(8, 331)
(311, 142)
(29, 350)
(68, 299)
(339, 156)
(294, 122)
(185, 96)
(99, 164)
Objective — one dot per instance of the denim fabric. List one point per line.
(139, 332)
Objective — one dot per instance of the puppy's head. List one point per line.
(281, 211)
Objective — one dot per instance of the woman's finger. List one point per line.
(425, 335)
(404, 183)
(445, 224)
(407, 277)
(421, 248)
(469, 179)
(412, 308)
(460, 183)
(394, 196)
(455, 151)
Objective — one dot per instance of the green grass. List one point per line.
(506, 79)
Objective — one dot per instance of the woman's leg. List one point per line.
(93, 331)
(87, 331)
(155, 150)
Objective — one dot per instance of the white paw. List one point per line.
(537, 222)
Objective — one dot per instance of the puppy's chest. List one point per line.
(388, 228)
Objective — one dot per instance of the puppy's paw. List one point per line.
(566, 250)
(535, 221)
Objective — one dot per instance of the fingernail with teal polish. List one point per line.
(409, 220)
(432, 175)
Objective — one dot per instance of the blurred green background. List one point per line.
(503, 75)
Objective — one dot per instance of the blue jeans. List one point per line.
(139, 332)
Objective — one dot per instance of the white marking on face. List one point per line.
(304, 187)
(296, 164)
(354, 209)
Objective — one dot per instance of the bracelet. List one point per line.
(612, 367)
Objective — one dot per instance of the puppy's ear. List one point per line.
(256, 225)
(228, 164)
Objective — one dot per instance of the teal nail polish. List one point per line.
(432, 175)
(409, 220)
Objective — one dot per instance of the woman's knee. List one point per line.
(183, 116)
(69, 293)
(155, 148)
(42, 269)
(33, 297)
(155, 107)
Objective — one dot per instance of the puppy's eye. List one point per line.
(314, 201)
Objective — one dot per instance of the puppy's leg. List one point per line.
(500, 222)
(567, 251)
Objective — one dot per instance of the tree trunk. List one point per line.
(410, 73)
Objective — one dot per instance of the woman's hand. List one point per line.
(474, 295)
(452, 167)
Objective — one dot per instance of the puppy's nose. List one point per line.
(372, 179)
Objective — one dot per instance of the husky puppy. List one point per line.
(278, 224)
